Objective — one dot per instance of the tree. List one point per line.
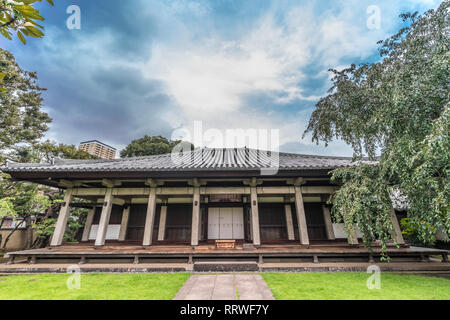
(46, 151)
(21, 202)
(46, 202)
(22, 125)
(21, 119)
(148, 146)
(397, 107)
(20, 17)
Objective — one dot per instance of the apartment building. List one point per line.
(98, 149)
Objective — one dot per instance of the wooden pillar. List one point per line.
(104, 218)
(150, 217)
(301, 217)
(124, 222)
(61, 223)
(328, 223)
(255, 216)
(289, 223)
(397, 234)
(88, 224)
(162, 223)
(195, 231)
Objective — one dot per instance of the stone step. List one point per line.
(226, 266)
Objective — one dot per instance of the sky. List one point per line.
(199, 69)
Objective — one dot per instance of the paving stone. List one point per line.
(253, 287)
(223, 287)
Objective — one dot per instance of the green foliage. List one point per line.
(44, 228)
(399, 107)
(423, 171)
(2, 76)
(148, 146)
(21, 18)
(150, 286)
(411, 231)
(353, 286)
(21, 119)
(45, 151)
(373, 105)
(49, 149)
(22, 124)
(363, 200)
(21, 200)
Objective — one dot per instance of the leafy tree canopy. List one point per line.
(21, 119)
(397, 107)
(148, 146)
(22, 125)
(45, 151)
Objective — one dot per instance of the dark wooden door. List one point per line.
(315, 221)
(272, 221)
(115, 217)
(136, 222)
(179, 222)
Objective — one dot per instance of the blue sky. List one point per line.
(141, 67)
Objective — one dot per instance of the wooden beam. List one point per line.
(104, 218)
(397, 234)
(175, 191)
(275, 190)
(289, 223)
(117, 192)
(253, 182)
(65, 183)
(162, 223)
(197, 182)
(61, 223)
(301, 217)
(297, 182)
(124, 223)
(88, 224)
(153, 183)
(119, 202)
(150, 218)
(195, 231)
(224, 190)
(80, 192)
(108, 183)
(319, 190)
(328, 223)
(255, 216)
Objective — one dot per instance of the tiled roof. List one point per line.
(198, 160)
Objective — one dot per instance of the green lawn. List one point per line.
(92, 287)
(352, 286)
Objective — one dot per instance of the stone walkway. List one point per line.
(225, 287)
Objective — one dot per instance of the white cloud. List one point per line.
(210, 78)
